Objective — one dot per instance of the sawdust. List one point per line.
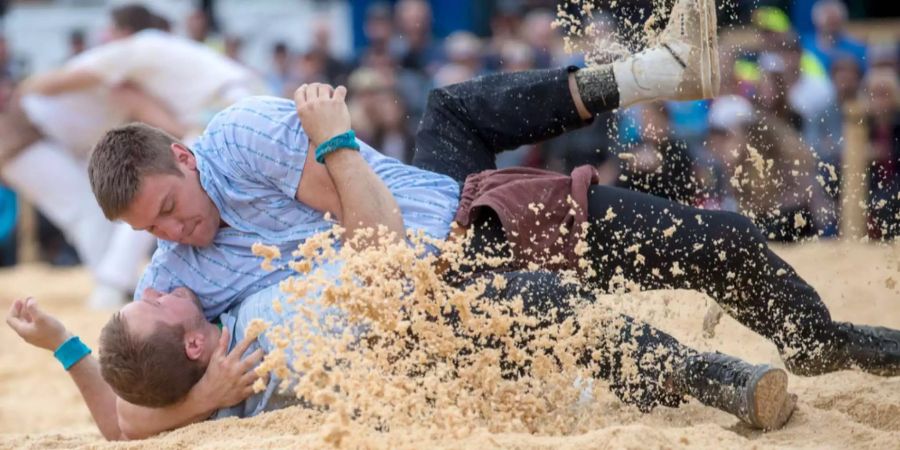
(840, 410)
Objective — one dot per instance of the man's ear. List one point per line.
(194, 345)
(183, 156)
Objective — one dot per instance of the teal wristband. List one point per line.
(71, 351)
(344, 140)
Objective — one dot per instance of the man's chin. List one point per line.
(204, 241)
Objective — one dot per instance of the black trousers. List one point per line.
(649, 240)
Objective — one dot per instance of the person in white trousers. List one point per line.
(143, 74)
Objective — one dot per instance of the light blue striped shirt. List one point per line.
(259, 306)
(250, 161)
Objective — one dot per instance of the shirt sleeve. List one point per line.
(114, 62)
(263, 141)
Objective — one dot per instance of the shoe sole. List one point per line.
(709, 49)
(770, 404)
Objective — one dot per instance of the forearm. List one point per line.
(99, 397)
(365, 201)
(142, 107)
(61, 81)
(139, 422)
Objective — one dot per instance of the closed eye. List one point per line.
(168, 210)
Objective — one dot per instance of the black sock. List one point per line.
(598, 88)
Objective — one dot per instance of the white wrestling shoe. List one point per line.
(691, 37)
(107, 298)
(684, 65)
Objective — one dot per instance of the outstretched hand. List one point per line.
(35, 326)
(229, 379)
(323, 111)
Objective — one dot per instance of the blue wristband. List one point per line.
(71, 351)
(344, 140)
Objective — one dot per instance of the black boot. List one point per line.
(755, 394)
(874, 350)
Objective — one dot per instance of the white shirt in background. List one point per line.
(191, 80)
(76, 120)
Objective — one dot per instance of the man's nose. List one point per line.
(171, 229)
(151, 294)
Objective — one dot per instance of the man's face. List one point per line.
(179, 307)
(175, 208)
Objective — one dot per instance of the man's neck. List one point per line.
(212, 333)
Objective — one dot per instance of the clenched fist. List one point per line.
(323, 111)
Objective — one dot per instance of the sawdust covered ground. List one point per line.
(40, 407)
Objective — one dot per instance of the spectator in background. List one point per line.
(846, 76)
(730, 118)
(517, 56)
(197, 26)
(412, 85)
(415, 47)
(830, 19)
(505, 24)
(11, 68)
(278, 76)
(451, 74)
(336, 71)
(234, 45)
(392, 133)
(364, 85)
(379, 115)
(7, 70)
(775, 174)
(660, 163)
(8, 204)
(883, 94)
(537, 31)
(77, 42)
(463, 50)
(810, 97)
(198, 29)
(773, 91)
(593, 145)
(309, 67)
(884, 55)
(378, 28)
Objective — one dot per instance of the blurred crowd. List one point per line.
(770, 146)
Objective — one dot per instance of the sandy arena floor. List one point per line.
(40, 407)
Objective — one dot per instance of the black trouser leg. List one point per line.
(637, 360)
(662, 244)
(465, 125)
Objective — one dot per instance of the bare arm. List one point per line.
(365, 202)
(99, 397)
(44, 331)
(316, 188)
(227, 381)
(62, 80)
(143, 107)
(138, 422)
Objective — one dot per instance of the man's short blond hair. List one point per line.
(122, 157)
